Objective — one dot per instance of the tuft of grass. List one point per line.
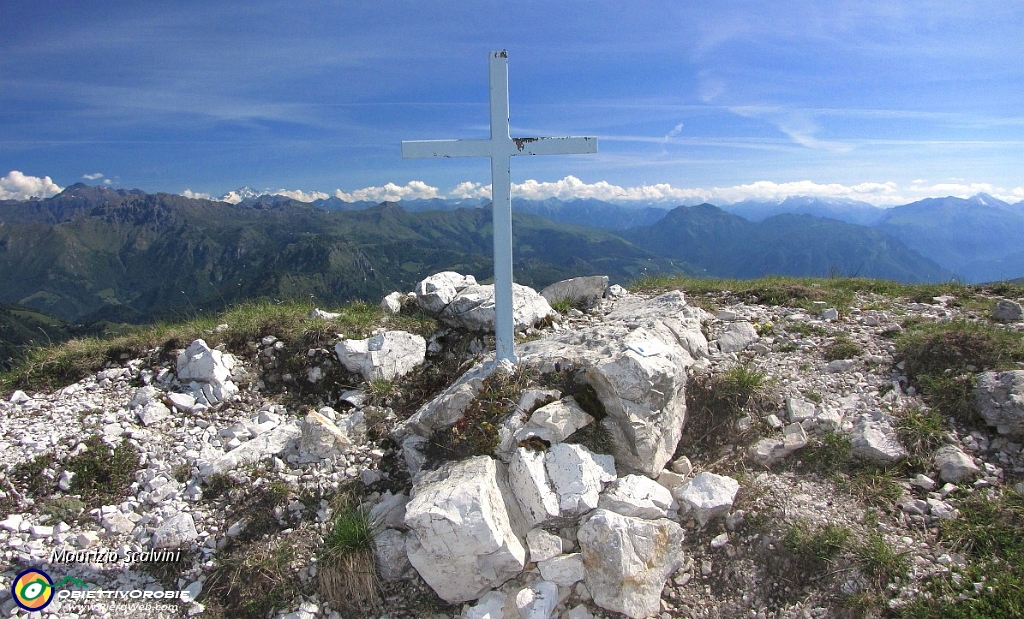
(880, 563)
(103, 473)
(251, 580)
(562, 306)
(828, 454)
(842, 347)
(957, 347)
(347, 571)
(942, 359)
(816, 547)
(872, 485)
(920, 430)
(476, 433)
(715, 401)
(63, 509)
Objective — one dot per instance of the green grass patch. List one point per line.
(989, 531)
(942, 360)
(842, 347)
(880, 563)
(827, 454)
(52, 367)
(816, 546)
(920, 430)
(102, 474)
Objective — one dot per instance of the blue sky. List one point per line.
(719, 100)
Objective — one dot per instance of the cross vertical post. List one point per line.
(499, 148)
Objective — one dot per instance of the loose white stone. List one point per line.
(708, 495)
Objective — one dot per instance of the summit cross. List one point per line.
(499, 148)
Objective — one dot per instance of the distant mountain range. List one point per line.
(91, 253)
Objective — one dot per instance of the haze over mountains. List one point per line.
(93, 253)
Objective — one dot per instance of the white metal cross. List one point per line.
(499, 148)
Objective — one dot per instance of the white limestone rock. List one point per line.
(460, 537)
(873, 438)
(538, 601)
(319, 438)
(392, 303)
(382, 357)
(799, 410)
(636, 360)
(175, 532)
(320, 314)
(577, 476)
(208, 371)
(543, 545)
(153, 413)
(390, 511)
(954, 465)
(181, 401)
(435, 292)
(737, 336)
(707, 496)
(391, 557)
(490, 606)
(581, 292)
(628, 560)
(999, 397)
(143, 396)
(472, 309)
(638, 496)
(528, 478)
(265, 445)
(563, 570)
(556, 421)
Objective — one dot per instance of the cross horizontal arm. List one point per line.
(554, 146)
(425, 149)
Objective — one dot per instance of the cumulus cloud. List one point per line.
(95, 176)
(18, 186)
(391, 192)
(301, 196)
(188, 193)
(469, 190)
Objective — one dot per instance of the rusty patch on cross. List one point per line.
(522, 142)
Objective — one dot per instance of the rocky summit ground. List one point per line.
(873, 434)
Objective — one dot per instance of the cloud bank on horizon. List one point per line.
(17, 186)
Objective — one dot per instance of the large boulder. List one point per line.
(473, 308)
(461, 538)
(636, 361)
(628, 560)
(207, 372)
(581, 292)
(434, 293)
(384, 356)
(1007, 311)
(1000, 400)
